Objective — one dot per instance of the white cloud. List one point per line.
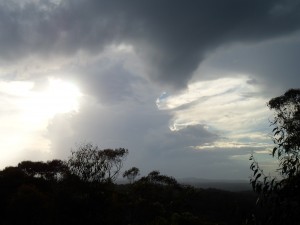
(229, 107)
(223, 144)
(25, 114)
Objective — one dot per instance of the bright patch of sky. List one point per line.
(26, 112)
(230, 107)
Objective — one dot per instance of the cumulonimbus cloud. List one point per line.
(172, 36)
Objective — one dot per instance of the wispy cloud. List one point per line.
(229, 107)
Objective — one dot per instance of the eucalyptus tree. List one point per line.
(280, 196)
(90, 163)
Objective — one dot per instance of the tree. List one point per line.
(90, 163)
(50, 170)
(33, 169)
(282, 194)
(156, 178)
(131, 174)
(56, 169)
(287, 131)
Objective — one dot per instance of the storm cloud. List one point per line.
(182, 84)
(172, 37)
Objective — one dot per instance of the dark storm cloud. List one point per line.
(173, 37)
(273, 65)
(109, 85)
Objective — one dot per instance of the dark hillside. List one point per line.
(34, 198)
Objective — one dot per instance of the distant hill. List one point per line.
(228, 185)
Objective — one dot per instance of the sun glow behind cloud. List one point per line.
(58, 97)
(26, 113)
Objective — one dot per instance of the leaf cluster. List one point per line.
(90, 163)
(279, 197)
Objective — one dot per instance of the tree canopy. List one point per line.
(90, 163)
(281, 195)
(30, 194)
(131, 174)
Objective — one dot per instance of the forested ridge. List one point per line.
(48, 193)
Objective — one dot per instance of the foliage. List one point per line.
(280, 197)
(28, 196)
(287, 131)
(52, 170)
(155, 177)
(131, 174)
(91, 164)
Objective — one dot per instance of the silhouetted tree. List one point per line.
(93, 164)
(281, 195)
(33, 169)
(51, 170)
(156, 178)
(54, 192)
(131, 174)
(56, 169)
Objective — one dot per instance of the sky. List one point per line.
(183, 85)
